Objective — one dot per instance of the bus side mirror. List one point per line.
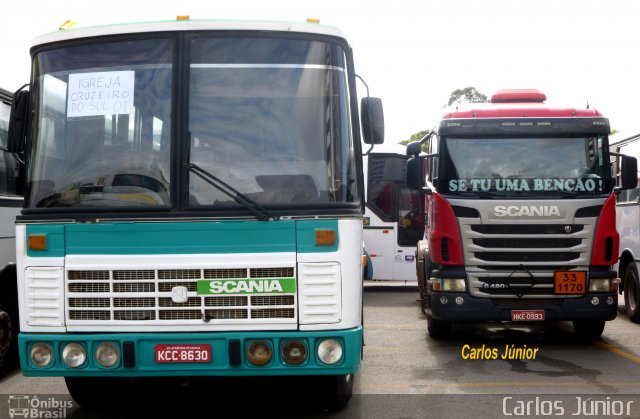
(372, 120)
(628, 172)
(415, 173)
(18, 122)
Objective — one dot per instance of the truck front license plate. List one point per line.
(570, 282)
(527, 315)
(184, 352)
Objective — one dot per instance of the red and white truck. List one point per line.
(520, 215)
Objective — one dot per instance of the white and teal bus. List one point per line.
(10, 204)
(394, 217)
(194, 205)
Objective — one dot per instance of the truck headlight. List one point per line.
(448, 284)
(600, 285)
(259, 353)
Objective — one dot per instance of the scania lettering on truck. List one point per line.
(194, 205)
(520, 215)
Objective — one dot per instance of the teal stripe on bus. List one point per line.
(203, 237)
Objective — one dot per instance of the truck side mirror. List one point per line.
(415, 173)
(18, 121)
(628, 172)
(372, 120)
(414, 148)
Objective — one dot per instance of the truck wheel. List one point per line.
(338, 391)
(438, 328)
(632, 292)
(589, 329)
(99, 392)
(8, 336)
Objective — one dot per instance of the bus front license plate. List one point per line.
(527, 315)
(184, 352)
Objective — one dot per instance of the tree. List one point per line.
(467, 95)
(414, 137)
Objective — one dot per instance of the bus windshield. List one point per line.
(562, 167)
(268, 116)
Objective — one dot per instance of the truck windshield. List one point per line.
(270, 117)
(563, 167)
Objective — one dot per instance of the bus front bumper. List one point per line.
(191, 354)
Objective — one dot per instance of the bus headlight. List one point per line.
(41, 354)
(330, 351)
(294, 352)
(107, 354)
(74, 355)
(259, 353)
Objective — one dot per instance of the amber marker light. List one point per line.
(38, 241)
(183, 17)
(325, 237)
(311, 20)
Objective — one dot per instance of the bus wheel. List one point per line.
(589, 329)
(8, 337)
(339, 389)
(99, 392)
(632, 292)
(438, 328)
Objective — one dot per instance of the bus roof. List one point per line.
(186, 25)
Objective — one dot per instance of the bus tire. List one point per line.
(632, 292)
(99, 392)
(438, 328)
(589, 329)
(339, 391)
(9, 325)
(8, 337)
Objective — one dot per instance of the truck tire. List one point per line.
(438, 328)
(589, 329)
(339, 389)
(9, 327)
(632, 292)
(99, 392)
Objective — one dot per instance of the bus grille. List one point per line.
(136, 296)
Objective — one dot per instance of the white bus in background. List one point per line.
(393, 222)
(628, 225)
(10, 204)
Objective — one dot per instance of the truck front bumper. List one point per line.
(139, 354)
(445, 307)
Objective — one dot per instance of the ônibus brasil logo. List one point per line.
(247, 286)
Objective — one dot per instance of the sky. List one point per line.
(412, 54)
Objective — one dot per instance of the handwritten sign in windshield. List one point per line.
(103, 93)
(526, 185)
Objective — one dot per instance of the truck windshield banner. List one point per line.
(593, 185)
(247, 286)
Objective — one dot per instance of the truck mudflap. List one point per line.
(460, 306)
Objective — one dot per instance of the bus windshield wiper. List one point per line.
(258, 210)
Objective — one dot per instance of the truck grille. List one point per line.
(517, 260)
(135, 296)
